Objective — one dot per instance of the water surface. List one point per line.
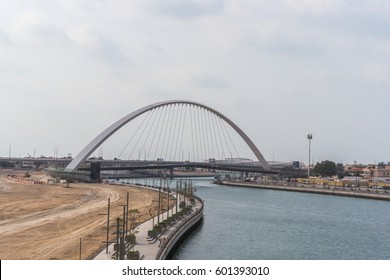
(245, 223)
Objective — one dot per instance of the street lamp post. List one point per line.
(309, 137)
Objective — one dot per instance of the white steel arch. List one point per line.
(103, 136)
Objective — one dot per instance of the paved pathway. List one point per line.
(149, 248)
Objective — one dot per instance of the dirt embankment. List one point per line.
(46, 221)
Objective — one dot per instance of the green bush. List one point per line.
(163, 224)
(130, 238)
(157, 228)
(133, 255)
(152, 233)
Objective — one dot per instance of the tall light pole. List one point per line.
(309, 137)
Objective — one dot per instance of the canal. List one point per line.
(244, 223)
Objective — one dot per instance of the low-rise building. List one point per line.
(382, 172)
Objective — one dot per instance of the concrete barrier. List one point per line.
(24, 180)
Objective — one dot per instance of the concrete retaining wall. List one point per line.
(192, 221)
(310, 190)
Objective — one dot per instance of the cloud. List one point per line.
(4, 39)
(185, 9)
(22, 25)
(277, 68)
(376, 73)
(97, 45)
(83, 36)
(211, 81)
(34, 28)
(294, 46)
(345, 18)
(315, 7)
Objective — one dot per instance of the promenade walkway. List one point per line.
(149, 248)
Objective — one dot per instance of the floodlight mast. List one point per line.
(309, 137)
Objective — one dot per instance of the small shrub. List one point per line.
(133, 255)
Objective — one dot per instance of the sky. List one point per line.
(280, 69)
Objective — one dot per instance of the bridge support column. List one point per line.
(171, 173)
(95, 172)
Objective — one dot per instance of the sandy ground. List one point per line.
(47, 221)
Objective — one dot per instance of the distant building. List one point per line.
(368, 172)
(374, 171)
(382, 172)
(354, 169)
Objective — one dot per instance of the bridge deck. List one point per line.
(139, 165)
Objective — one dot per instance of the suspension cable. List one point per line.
(134, 135)
(204, 114)
(176, 144)
(201, 136)
(150, 129)
(150, 116)
(231, 141)
(211, 133)
(174, 131)
(155, 131)
(224, 136)
(213, 116)
(192, 133)
(159, 136)
(165, 132)
(170, 130)
(182, 135)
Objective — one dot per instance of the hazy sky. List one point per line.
(278, 68)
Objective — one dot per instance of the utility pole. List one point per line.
(80, 250)
(159, 200)
(127, 213)
(122, 239)
(168, 201)
(177, 194)
(108, 225)
(309, 137)
(117, 239)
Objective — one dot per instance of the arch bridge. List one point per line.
(206, 125)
